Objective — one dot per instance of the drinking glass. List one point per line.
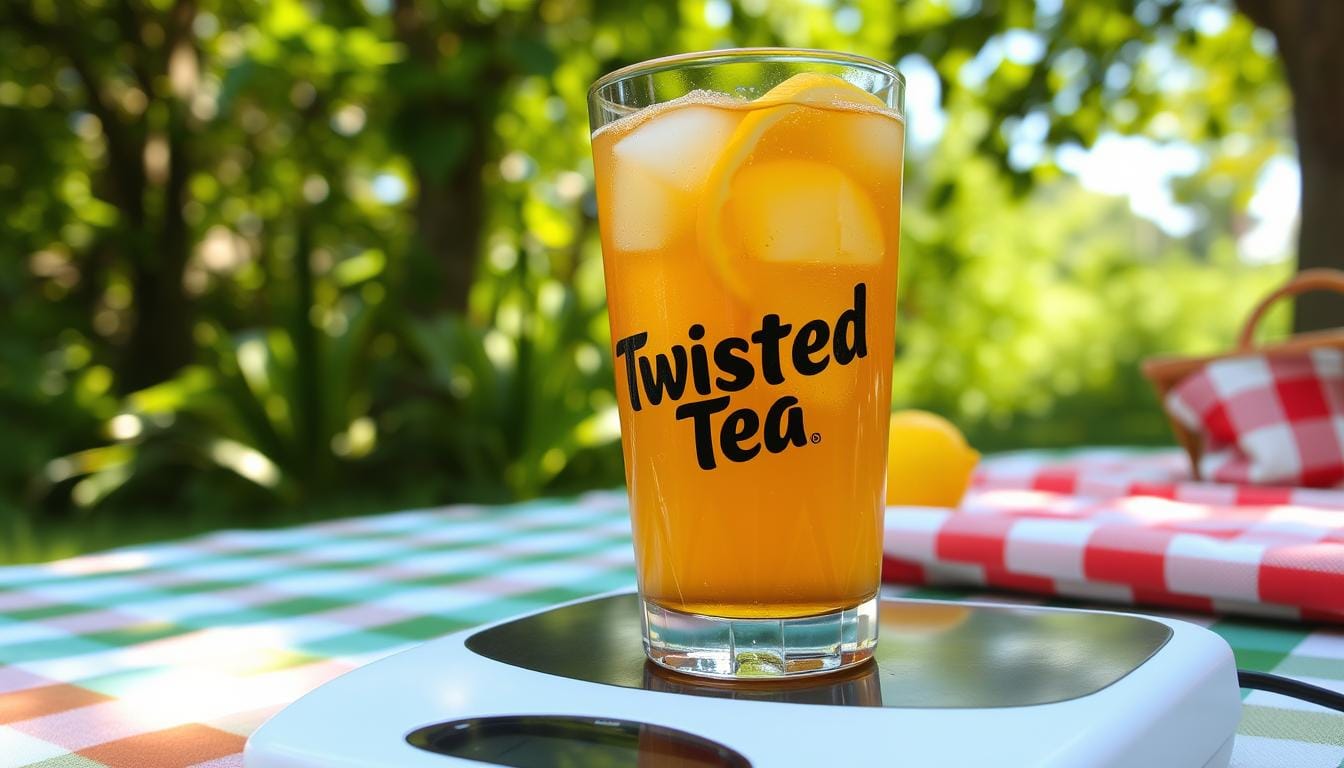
(749, 207)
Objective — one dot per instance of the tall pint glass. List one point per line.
(749, 206)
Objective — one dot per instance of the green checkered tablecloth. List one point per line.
(170, 655)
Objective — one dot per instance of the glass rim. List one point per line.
(759, 54)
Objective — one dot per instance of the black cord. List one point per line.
(1286, 686)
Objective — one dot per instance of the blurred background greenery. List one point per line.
(263, 262)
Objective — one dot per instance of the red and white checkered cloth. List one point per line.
(1265, 420)
(1130, 528)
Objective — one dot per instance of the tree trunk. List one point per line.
(450, 217)
(160, 342)
(313, 456)
(1309, 35)
(160, 339)
(1321, 241)
(450, 204)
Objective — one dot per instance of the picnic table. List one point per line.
(169, 655)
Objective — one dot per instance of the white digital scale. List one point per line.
(951, 684)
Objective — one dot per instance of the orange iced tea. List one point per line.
(750, 252)
(750, 249)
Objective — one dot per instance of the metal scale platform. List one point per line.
(951, 684)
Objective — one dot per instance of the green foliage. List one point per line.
(1026, 318)
(516, 405)
(268, 261)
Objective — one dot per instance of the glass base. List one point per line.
(743, 649)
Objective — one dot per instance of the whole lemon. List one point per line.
(929, 463)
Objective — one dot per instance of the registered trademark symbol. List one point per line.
(816, 438)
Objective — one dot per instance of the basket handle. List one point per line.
(1306, 281)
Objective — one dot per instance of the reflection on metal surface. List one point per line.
(540, 741)
(854, 687)
(929, 655)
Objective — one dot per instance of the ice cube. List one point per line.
(643, 207)
(860, 229)
(877, 142)
(804, 211)
(679, 145)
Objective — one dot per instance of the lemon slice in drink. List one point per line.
(800, 211)
(815, 88)
(782, 208)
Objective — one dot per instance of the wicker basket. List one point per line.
(1166, 372)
